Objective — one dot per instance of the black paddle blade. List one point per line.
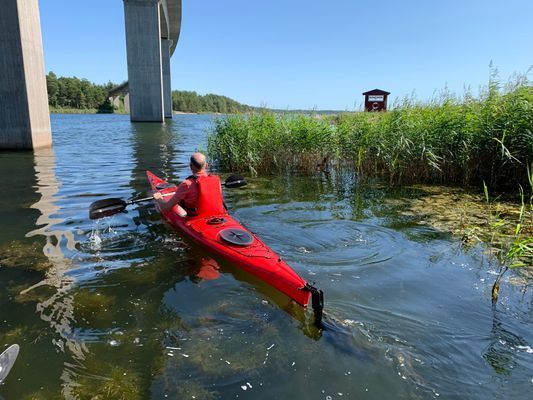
(235, 181)
(106, 208)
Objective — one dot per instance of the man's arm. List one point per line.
(166, 203)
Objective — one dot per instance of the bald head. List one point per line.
(198, 162)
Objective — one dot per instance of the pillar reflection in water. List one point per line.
(154, 149)
(57, 310)
(22, 263)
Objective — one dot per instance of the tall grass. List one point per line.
(450, 139)
(267, 142)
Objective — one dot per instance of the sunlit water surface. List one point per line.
(120, 308)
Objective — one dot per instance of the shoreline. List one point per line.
(280, 112)
(94, 111)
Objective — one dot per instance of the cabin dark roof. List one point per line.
(375, 91)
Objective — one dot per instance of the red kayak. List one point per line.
(212, 227)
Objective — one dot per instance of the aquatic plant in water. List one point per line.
(511, 241)
(118, 383)
(16, 254)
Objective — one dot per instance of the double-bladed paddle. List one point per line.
(107, 207)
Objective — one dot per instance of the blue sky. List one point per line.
(305, 54)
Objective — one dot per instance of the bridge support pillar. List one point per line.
(115, 100)
(167, 90)
(127, 103)
(143, 45)
(24, 113)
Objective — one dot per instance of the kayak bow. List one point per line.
(226, 237)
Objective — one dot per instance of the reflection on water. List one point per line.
(504, 347)
(58, 309)
(125, 308)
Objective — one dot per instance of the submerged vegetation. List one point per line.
(447, 140)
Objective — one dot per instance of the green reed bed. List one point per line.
(266, 142)
(453, 140)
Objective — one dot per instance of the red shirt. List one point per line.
(186, 194)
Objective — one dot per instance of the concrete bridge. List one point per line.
(120, 96)
(152, 32)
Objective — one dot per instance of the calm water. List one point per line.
(118, 309)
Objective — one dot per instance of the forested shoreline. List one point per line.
(187, 101)
(81, 95)
(78, 94)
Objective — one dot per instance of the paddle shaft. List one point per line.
(149, 198)
(107, 207)
(240, 182)
(237, 183)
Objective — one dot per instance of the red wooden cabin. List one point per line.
(376, 100)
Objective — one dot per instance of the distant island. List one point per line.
(75, 95)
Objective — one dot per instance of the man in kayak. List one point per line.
(186, 195)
